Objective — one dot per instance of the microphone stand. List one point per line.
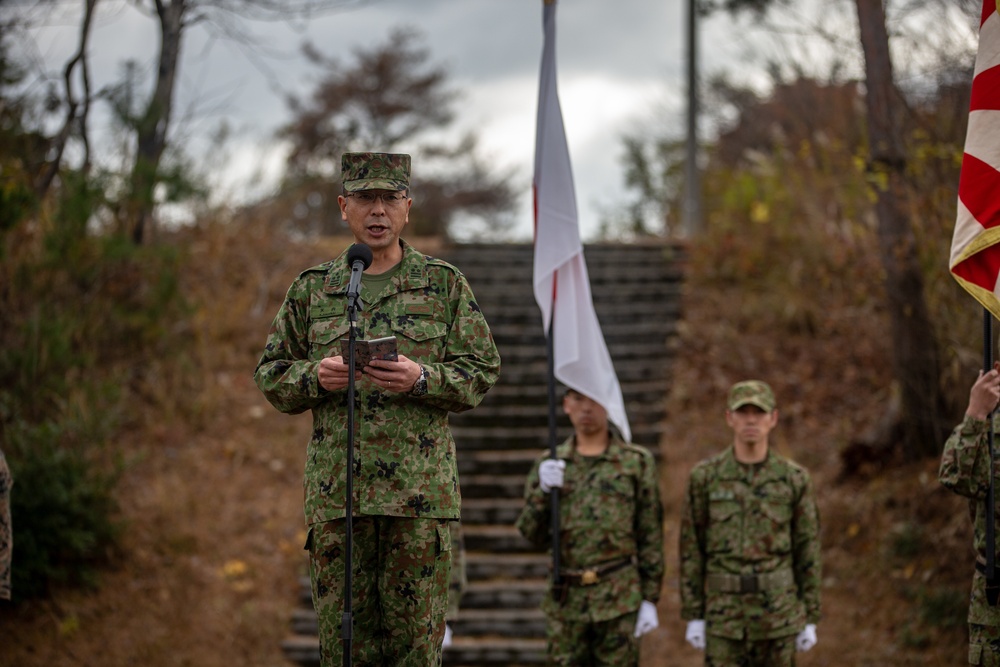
(347, 620)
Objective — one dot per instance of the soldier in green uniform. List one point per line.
(6, 531)
(965, 469)
(611, 540)
(749, 546)
(406, 490)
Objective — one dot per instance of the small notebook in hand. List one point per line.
(366, 350)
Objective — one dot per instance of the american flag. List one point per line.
(975, 246)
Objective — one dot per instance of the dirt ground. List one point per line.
(207, 572)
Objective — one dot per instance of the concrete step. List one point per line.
(471, 622)
(628, 347)
(511, 294)
(302, 650)
(668, 256)
(534, 370)
(496, 539)
(490, 511)
(538, 415)
(483, 566)
(614, 314)
(504, 593)
(534, 437)
(489, 485)
(521, 623)
(464, 652)
(485, 461)
(495, 650)
(509, 393)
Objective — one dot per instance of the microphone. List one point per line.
(359, 258)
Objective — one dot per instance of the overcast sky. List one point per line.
(620, 63)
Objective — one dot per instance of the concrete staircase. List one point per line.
(636, 290)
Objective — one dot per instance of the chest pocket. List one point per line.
(724, 525)
(777, 518)
(422, 338)
(325, 336)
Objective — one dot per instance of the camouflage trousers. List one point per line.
(723, 652)
(6, 529)
(984, 645)
(588, 644)
(401, 568)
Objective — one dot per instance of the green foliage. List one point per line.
(944, 608)
(390, 98)
(907, 541)
(787, 211)
(62, 508)
(16, 198)
(936, 609)
(789, 217)
(86, 317)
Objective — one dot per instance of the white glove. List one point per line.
(550, 474)
(647, 619)
(695, 635)
(447, 636)
(806, 639)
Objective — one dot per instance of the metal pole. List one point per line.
(554, 493)
(347, 620)
(692, 181)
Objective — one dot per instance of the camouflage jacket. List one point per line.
(404, 453)
(750, 520)
(965, 469)
(609, 510)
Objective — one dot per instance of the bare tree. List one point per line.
(916, 349)
(389, 99)
(77, 107)
(153, 123)
(175, 17)
(916, 354)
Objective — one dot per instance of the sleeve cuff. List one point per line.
(972, 426)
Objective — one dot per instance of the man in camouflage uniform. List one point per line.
(406, 491)
(6, 532)
(610, 540)
(749, 546)
(965, 469)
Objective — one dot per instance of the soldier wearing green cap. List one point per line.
(406, 492)
(610, 540)
(749, 545)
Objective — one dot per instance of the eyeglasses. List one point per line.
(369, 198)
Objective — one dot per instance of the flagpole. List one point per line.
(992, 585)
(554, 492)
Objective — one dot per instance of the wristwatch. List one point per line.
(420, 386)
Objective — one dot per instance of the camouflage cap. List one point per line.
(375, 171)
(751, 392)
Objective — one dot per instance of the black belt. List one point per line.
(592, 575)
(742, 584)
